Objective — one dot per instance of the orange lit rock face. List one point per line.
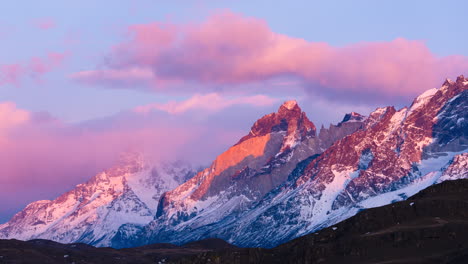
(271, 138)
(252, 147)
(260, 162)
(289, 118)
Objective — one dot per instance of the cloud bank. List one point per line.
(42, 156)
(233, 49)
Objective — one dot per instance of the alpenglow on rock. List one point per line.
(278, 182)
(123, 196)
(239, 178)
(391, 155)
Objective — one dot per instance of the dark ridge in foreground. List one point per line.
(46, 251)
(430, 227)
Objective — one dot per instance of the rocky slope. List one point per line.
(121, 198)
(238, 178)
(112, 208)
(395, 154)
(430, 227)
(278, 182)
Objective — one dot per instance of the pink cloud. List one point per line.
(127, 77)
(45, 23)
(233, 49)
(35, 68)
(212, 102)
(10, 117)
(41, 156)
(11, 74)
(40, 66)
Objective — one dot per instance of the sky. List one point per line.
(82, 81)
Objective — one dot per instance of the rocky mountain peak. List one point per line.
(289, 118)
(436, 96)
(461, 79)
(290, 105)
(448, 82)
(289, 109)
(460, 82)
(353, 116)
(280, 176)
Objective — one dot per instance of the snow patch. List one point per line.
(422, 100)
(366, 158)
(398, 195)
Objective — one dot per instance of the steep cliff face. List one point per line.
(351, 123)
(247, 170)
(391, 155)
(278, 182)
(92, 213)
(396, 154)
(238, 178)
(113, 208)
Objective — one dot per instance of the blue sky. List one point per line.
(332, 56)
(88, 28)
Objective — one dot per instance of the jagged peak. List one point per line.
(352, 117)
(447, 82)
(379, 111)
(289, 109)
(288, 113)
(290, 105)
(461, 79)
(375, 116)
(448, 88)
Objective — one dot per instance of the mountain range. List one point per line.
(281, 181)
(429, 227)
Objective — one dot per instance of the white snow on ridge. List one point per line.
(431, 169)
(95, 210)
(323, 206)
(399, 195)
(422, 100)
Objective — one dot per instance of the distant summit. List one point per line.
(353, 116)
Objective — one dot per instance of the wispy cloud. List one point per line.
(34, 69)
(212, 102)
(41, 155)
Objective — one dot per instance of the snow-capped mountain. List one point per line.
(121, 197)
(112, 208)
(260, 162)
(274, 186)
(280, 181)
